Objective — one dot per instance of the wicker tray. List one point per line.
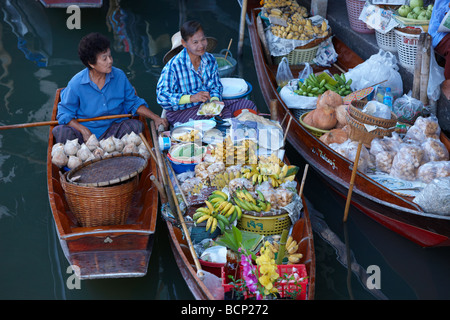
(355, 111)
(109, 170)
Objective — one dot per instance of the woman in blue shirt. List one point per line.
(441, 40)
(99, 90)
(191, 78)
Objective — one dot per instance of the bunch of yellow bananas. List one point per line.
(222, 180)
(243, 152)
(290, 250)
(275, 173)
(212, 218)
(244, 199)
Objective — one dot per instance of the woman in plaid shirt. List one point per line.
(191, 78)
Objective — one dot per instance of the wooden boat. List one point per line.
(113, 251)
(392, 210)
(301, 232)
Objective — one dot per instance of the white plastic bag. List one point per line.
(379, 67)
(435, 79)
(307, 70)
(294, 100)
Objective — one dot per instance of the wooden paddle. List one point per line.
(303, 180)
(352, 180)
(228, 50)
(55, 122)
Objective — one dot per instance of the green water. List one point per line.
(38, 54)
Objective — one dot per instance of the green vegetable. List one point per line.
(412, 15)
(418, 10)
(404, 10)
(416, 3)
(422, 16)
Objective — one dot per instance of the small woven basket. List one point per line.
(355, 110)
(299, 56)
(358, 131)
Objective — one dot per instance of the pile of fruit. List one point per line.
(237, 192)
(293, 22)
(415, 10)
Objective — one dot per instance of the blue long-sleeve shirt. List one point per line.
(179, 78)
(440, 8)
(82, 99)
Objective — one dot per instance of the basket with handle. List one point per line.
(355, 110)
(100, 191)
(359, 132)
(354, 8)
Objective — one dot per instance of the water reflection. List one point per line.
(29, 23)
(132, 35)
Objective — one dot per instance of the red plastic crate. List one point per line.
(284, 287)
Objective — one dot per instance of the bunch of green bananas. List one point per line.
(244, 199)
(311, 86)
(342, 87)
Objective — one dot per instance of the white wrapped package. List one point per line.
(435, 197)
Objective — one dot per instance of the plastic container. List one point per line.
(354, 8)
(386, 41)
(179, 167)
(299, 56)
(286, 289)
(407, 48)
(267, 225)
(388, 98)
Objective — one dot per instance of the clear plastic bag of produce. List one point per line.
(435, 197)
(284, 74)
(407, 109)
(432, 170)
(406, 162)
(377, 109)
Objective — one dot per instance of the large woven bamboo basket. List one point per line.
(100, 191)
(355, 110)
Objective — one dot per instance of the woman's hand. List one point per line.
(202, 96)
(161, 122)
(85, 132)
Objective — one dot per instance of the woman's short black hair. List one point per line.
(189, 28)
(90, 46)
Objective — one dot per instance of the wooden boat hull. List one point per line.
(397, 213)
(301, 232)
(116, 251)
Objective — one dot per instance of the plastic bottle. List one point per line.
(388, 98)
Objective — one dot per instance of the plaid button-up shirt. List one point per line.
(179, 78)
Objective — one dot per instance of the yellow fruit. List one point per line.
(203, 218)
